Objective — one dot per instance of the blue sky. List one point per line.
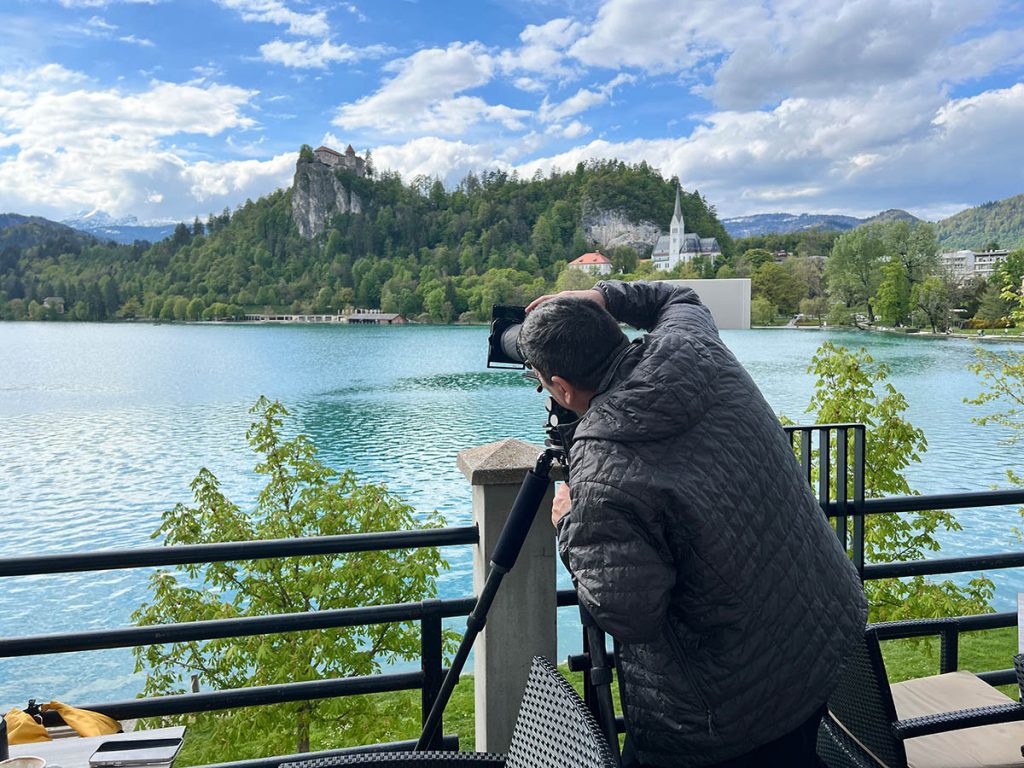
(168, 109)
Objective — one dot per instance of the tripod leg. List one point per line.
(600, 678)
(510, 543)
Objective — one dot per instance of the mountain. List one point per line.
(1000, 222)
(19, 231)
(786, 223)
(126, 230)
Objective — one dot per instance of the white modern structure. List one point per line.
(680, 246)
(728, 300)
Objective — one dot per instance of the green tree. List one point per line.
(892, 304)
(851, 388)
(779, 285)
(932, 298)
(572, 279)
(302, 498)
(762, 311)
(914, 246)
(852, 271)
(993, 306)
(195, 309)
(130, 309)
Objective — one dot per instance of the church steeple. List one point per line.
(676, 230)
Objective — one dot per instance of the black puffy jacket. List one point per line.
(694, 540)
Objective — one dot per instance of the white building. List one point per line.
(594, 263)
(965, 264)
(680, 246)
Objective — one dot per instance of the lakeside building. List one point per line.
(355, 317)
(964, 264)
(595, 263)
(680, 246)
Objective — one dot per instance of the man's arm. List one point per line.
(609, 541)
(647, 305)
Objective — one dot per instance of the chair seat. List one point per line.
(994, 746)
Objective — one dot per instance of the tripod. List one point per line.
(510, 543)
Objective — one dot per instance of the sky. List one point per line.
(171, 109)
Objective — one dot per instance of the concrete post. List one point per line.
(521, 623)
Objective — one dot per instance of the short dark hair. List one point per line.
(573, 338)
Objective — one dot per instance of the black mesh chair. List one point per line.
(554, 729)
(921, 723)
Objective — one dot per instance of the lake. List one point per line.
(105, 426)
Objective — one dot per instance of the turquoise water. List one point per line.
(104, 427)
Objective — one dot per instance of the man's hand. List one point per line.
(592, 294)
(561, 504)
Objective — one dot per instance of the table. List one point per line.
(75, 752)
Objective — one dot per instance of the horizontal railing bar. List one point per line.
(939, 565)
(933, 501)
(184, 703)
(130, 637)
(449, 743)
(998, 677)
(74, 562)
(895, 630)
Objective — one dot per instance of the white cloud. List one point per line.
(432, 156)
(582, 100)
(543, 49)
(303, 54)
(66, 145)
(275, 12)
(103, 3)
(421, 97)
(140, 41)
(762, 52)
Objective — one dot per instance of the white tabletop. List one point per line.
(75, 752)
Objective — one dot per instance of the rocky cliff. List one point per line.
(317, 195)
(610, 229)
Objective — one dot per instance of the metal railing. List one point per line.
(834, 463)
(429, 614)
(831, 456)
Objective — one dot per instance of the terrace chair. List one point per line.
(954, 720)
(554, 729)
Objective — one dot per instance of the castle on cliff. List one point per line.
(349, 161)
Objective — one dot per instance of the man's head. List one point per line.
(570, 342)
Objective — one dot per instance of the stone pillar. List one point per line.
(521, 623)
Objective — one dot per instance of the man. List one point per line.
(690, 533)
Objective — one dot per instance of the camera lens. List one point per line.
(510, 343)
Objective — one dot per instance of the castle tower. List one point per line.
(675, 235)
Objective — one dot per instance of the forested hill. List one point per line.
(415, 248)
(17, 231)
(999, 224)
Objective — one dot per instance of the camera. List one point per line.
(503, 352)
(503, 341)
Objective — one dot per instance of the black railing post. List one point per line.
(949, 654)
(432, 663)
(842, 470)
(859, 466)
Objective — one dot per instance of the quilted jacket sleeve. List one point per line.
(656, 305)
(609, 543)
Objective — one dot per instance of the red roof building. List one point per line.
(595, 263)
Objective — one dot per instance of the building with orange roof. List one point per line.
(595, 263)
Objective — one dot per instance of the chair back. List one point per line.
(862, 705)
(554, 728)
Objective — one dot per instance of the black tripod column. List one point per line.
(502, 659)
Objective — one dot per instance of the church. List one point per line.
(680, 246)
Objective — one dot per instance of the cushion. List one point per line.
(989, 745)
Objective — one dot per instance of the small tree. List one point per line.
(302, 498)
(851, 388)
